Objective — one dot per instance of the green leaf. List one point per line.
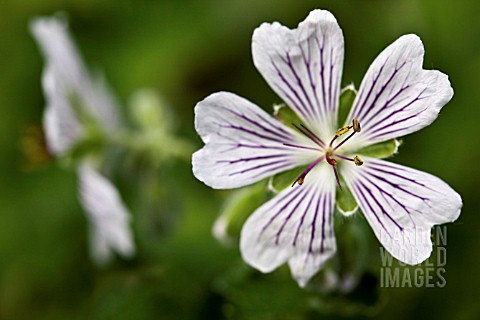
(347, 97)
(346, 203)
(381, 150)
(237, 208)
(285, 179)
(285, 115)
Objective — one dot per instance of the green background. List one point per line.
(187, 50)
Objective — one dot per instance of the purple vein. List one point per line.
(252, 158)
(381, 167)
(288, 197)
(301, 147)
(255, 123)
(304, 109)
(380, 92)
(300, 84)
(289, 216)
(359, 110)
(389, 115)
(322, 70)
(299, 227)
(313, 134)
(360, 195)
(284, 163)
(230, 126)
(313, 224)
(399, 187)
(312, 138)
(309, 71)
(381, 207)
(386, 105)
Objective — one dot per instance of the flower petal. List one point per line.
(295, 226)
(243, 143)
(108, 216)
(402, 205)
(60, 123)
(72, 81)
(304, 67)
(396, 96)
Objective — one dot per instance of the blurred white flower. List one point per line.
(109, 219)
(76, 106)
(70, 92)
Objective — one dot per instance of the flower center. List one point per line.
(330, 155)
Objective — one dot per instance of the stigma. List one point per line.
(329, 154)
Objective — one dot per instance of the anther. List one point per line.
(302, 176)
(358, 161)
(342, 130)
(356, 126)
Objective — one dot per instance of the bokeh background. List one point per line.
(186, 50)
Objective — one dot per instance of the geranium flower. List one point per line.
(77, 109)
(243, 144)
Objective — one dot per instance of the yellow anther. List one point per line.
(356, 126)
(342, 131)
(300, 180)
(358, 161)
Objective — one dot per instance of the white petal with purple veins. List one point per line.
(243, 144)
(295, 226)
(396, 96)
(304, 67)
(402, 205)
(108, 217)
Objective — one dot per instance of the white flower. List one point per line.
(69, 89)
(243, 144)
(109, 219)
(74, 102)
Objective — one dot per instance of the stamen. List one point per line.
(329, 151)
(344, 158)
(358, 161)
(331, 142)
(344, 140)
(302, 176)
(356, 126)
(342, 131)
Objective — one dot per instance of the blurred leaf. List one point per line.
(381, 150)
(286, 115)
(346, 203)
(285, 179)
(346, 101)
(237, 208)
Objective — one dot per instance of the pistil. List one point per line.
(333, 163)
(329, 151)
